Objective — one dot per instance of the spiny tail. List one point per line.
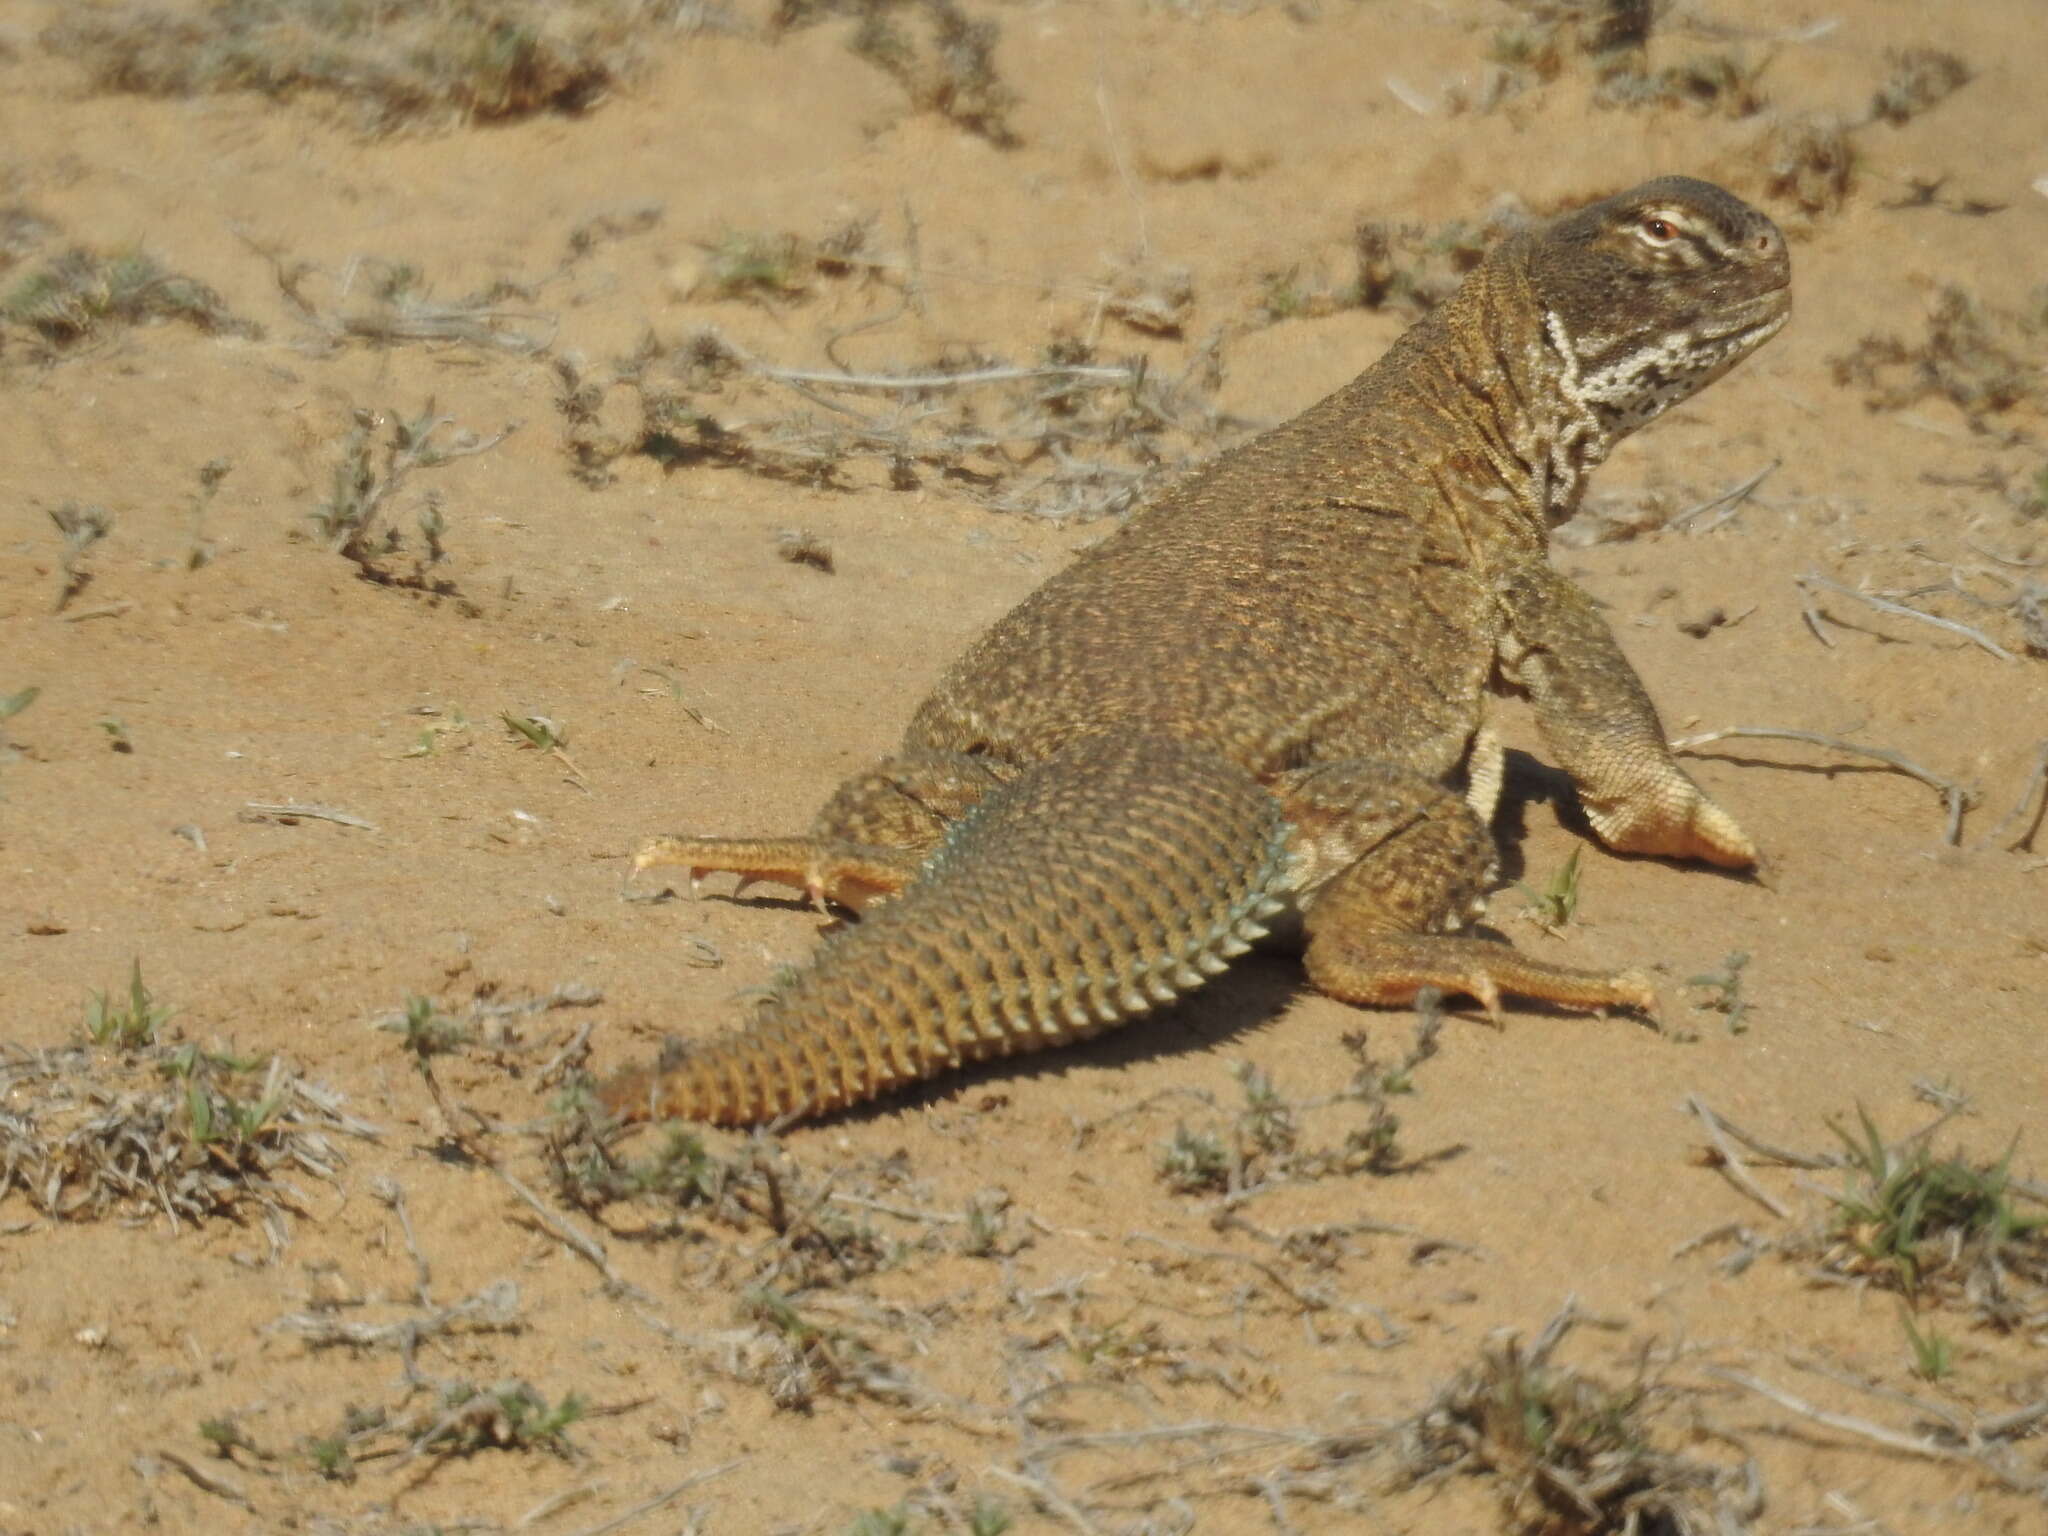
(1114, 877)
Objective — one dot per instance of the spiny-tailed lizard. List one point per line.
(1264, 698)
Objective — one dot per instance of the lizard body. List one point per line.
(1266, 694)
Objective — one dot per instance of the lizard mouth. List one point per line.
(1759, 319)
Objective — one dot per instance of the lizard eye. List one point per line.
(1658, 230)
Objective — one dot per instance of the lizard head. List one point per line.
(1651, 295)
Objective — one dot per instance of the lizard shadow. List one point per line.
(1246, 998)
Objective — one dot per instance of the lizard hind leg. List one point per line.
(1392, 864)
(866, 844)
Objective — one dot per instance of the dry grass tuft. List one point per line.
(81, 295)
(1615, 38)
(353, 518)
(800, 546)
(1921, 78)
(1066, 436)
(805, 1238)
(390, 303)
(384, 63)
(1969, 357)
(943, 58)
(1572, 1455)
(766, 267)
(1808, 162)
(196, 1134)
(1939, 1230)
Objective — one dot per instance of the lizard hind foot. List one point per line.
(851, 875)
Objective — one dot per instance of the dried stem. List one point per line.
(1813, 579)
(1958, 797)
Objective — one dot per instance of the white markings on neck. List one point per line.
(1580, 440)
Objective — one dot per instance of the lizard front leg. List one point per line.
(1598, 720)
(1387, 867)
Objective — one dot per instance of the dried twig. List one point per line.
(1055, 1503)
(219, 1487)
(573, 1237)
(1897, 1440)
(1730, 500)
(1913, 1445)
(922, 383)
(392, 1193)
(2036, 786)
(255, 810)
(1760, 1147)
(1958, 797)
(1732, 1165)
(1300, 1298)
(1976, 637)
(660, 1500)
(494, 1309)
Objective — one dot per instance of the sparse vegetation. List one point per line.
(799, 1359)
(383, 65)
(942, 58)
(1066, 437)
(1921, 78)
(1615, 39)
(1413, 268)
(807, 1239)
(1939, 1230)
(1261, 1147)
(1808, 162)
(81, 295)
(190, 1133)
(352, 519)
(452, 1419)
(129, 1028)
(1189, 1313)
(1570, 1453)
(81, 528)
(387, 303)
(427, 1032)
(1933, 1351)
(770, 268)
(800, 546)
(1970, 356)
(1554, 906)
(1724, 992)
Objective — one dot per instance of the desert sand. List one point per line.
(1097, 1290)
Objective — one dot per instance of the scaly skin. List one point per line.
(1061, 905)
(1271, 686)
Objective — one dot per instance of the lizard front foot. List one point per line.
(1390, 969)
(1677, 821)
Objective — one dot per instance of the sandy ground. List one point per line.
(705, 683)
